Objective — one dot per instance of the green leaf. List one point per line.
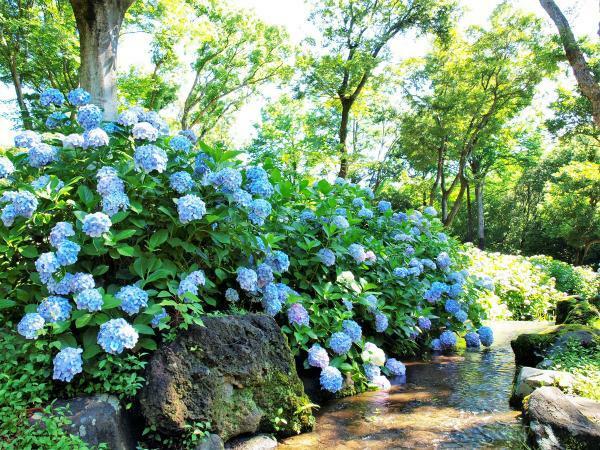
(222, 238)
(110, 302)
(143, 329)
(83, 320)
(147, 343)
(123, 234)
(158, 238)
(100, 270)
(85, 195)
(91, 351)
(5, 303)
(126, 250)
(30, 251)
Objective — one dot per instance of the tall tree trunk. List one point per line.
(99, 23)
(480, 219)
(469, 216)
(23, 110)
(343, 135)
(457, 203)
(583, 74)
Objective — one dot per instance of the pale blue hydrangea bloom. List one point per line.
(381, 322)
(27, 139)
(200, 164)
(340, 222)
(428, 264)
(318, 357)
(41, 155)
(443, 261)
(272, 300)
(357, 252)
(259, 210)
(307, 215)
(242, 198)
(89, 116)
(448, 340)
(348, 304)
(82, 281)
(115, 202)
(371, 371)
(247, 278)
(454, 290)
(261, 187)
(339, 181)
(116, 335)
(133, 298)
(109, 181)
(358, 203)
(472, 340)
(67, 252)
(232, 295)
(79, 97)
(156, 121)
(62, 287)
(52, 96)
(409, 250)
(191, 283)
(265, 275)
(331, 379)
(181, 182)
(189, 135)
(326, 256)
(227, 180)
(369, 193)
(158, 318)
(278, 261)
(436, 345)
(148, 158)
(340, 342)
(128, 117)
(486, 335)
(190, 207)
(365, 213)
(89, 299)
(180, 143)
(54, 309)
(95, 138)
(56, 119)
(6, 167)
(67, 364)
(46, 265)
(395, 367)
(400, 272)
(461, 316)
(371, 301)
(144, 130)
(452, 306)
(384, 206)
(30, 325)
(352, 329)
(21, 204)
(96, 224)
(430, 211)
(424, 323)
(443, 237)
(42, 182)
(297, 314)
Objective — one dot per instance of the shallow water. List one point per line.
(456, 401)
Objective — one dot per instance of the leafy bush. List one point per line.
(575, 280)
(116, 232)
(527, 291)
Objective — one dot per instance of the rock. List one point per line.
(258, 442)
(212, 442)
(235, 372)
(531, 378)
(99, 419)
(559, 421)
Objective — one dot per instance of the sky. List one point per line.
(584, 16)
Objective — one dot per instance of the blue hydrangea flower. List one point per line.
(348, 304)
(155, 120)
(227, 180)
(96, 224)
(128, 118)
(461, 316)
(261, 187)
(381, 322)
(448, 340)
(190, 207)
(116, 335)
(272, 299)
(454, 290)
(371, 301)
(472, 340)
(443, 261)
(79, 97)
(89, 116)
(331, 379)
(6, 167)
(339, 181)
(486, 335)
(181, 182)
(30, 325)
(486, 282)
(435, 292)
(340, 222)
(148, 158)
(371, 371)
(430, 211)
(409, 250)
(400, 272)
(144, 131)
(200, 165)
(81, 282)
(428, 264)
(52, 96)
(94, 138)
(352, 329)
(67, 364)
(62, 287)
(189, 135)
(54, 309)
(403, 237)
(318, 357)
(109, 181)
(326, 256)
(395, 367)
(46, 265)
(436, 345)
(297, 314)
(115, 202)
(56, 119)
(256, 173)
(22, 204)
(89, 299)
(358, 203)
(341, 211)
(180, 143)
(424, 323)
(384, 206)
(365, 213)
(42, 182)
(41, 155)
(307, 215)
(133, 298)
(191, 283)
(443, 237)
(27, 139)
(451, 306)
(232, 295)
(340, 343)
(67, 252)
(369, 193)
(278, 261)
(242, 198)
(247, 278)
(357, 252)
(158, 318)
(265, 275)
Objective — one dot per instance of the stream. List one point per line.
(449, 401)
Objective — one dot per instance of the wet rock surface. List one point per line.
(235, 372)
(531, 378)
(560, 421)
(454, 401)
(258, 442)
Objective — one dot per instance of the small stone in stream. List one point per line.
(258, 442)
(212, 442)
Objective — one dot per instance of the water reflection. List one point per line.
(454, 401)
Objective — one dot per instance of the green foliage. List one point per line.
(575, 280)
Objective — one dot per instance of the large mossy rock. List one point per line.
(235, 372)
(530, 349)
(559, 421)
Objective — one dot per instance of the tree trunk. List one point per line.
(99, 23)
(469, 216)
(457, 203)
(343, 135)
(23, 110)
(583, 74)
(480, 220)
